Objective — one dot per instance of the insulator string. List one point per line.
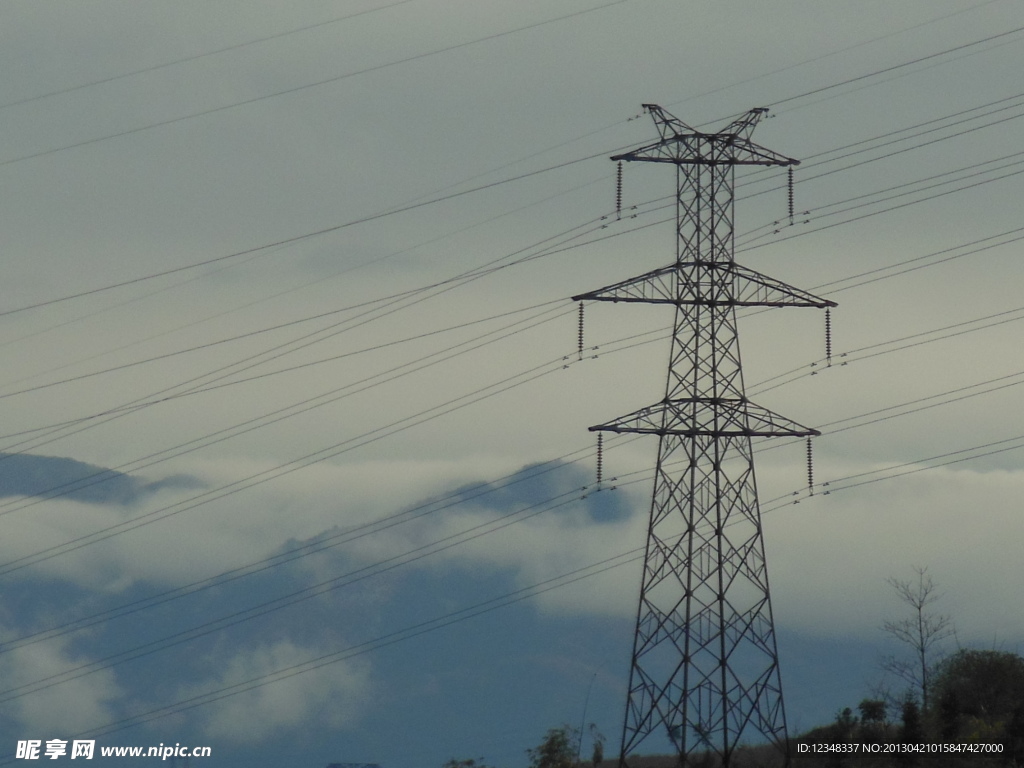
(810, 467)
(828, 337)
(580, 337)
(790, 191)
(618, 191)
(600, 455)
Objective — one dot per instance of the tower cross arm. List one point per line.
(683, 145)
(689, 282)
(712, 417)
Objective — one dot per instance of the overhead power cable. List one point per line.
(392, 305)
(250, 334)
(830, 54)
(280, 470)
(609, 348)
(326, 398)
(347, 579)
(196, 57)
(382, 214)
(391, 638)
(320, 545)
(293, 239)
(307, 86)
(294, 598)
(102, 475)
(408, 633)
(808, 178)
(893, 68)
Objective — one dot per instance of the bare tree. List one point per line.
(922, 631)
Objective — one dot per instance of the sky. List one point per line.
(295, 461)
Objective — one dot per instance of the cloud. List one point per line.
(57, 712)
(329, 696)
(23, 474)
(829, 558)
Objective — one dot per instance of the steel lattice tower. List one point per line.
(705, 674)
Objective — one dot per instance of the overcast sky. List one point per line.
(292, 279)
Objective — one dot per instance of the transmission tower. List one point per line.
(704, 674)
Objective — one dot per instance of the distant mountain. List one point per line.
(23, 474)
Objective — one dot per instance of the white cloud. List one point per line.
(328, 696)
(829, 557)
(58, 712)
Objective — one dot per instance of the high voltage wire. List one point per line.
(142, 403)
(894, 407)
(306, 86)
(374, 644)
(307, 405)
(961, 452)
(271, 417)
(884, 210)
(79, 486)
(483, 270)
(298, 596)
(177, 593)
(813, 160)
(286, 601)
(290, 240)
(818, 213)
(128, 407)
(379, 215)
(471, 274)
(411, 297)
(196, 57)
(264, 476)
(321, 544)
(832, 53)
(708, 93)
(207, 345)
(333, 657)
(277, 294)
(893, 68)
(845, 358)
(850, 220)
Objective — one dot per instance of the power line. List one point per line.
(196, 57)
(486, 606)
(293, 598)
(379, 215)
(405, 633)
(280, 470)
(306, 86)
(105, 474)
(294, 409)
(901, 65)
(410, 298)
(293, 239)
(321, 544)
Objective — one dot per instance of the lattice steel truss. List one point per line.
(704, 674)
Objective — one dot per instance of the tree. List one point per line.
(872, 711)
(922, 631)
(558, 750)
(980, 696)
(911, 730)
(598, 738)
(910, 718)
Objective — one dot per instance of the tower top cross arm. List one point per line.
(682, 144)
